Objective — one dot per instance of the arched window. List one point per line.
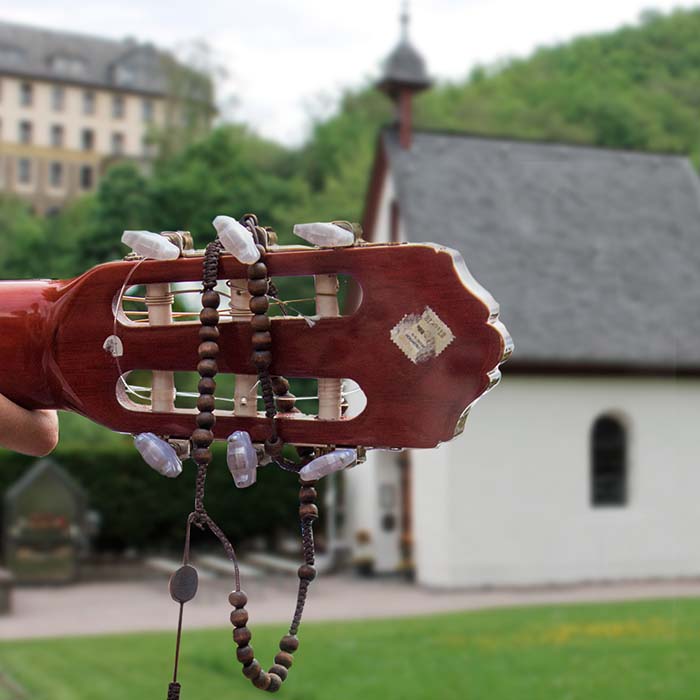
(608, 462)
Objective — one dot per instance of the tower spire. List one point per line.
(404, 75)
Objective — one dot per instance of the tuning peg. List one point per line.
(325, 235)
(327, 464)
(236, 239)
(150, 245)
(158, 454)
(242, 459)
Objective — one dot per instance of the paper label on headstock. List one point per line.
(422, 336)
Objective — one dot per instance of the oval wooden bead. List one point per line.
(279, 384)
(286, 402)
(258, 287)
(262, 359)
(261, 340)
(237, 598)
(206, 420)
(257, 271)
(261, 249)
(205, 403)
(259, 305)
(241, 635)
(207, 385)
(262, 681)
(260, 322)
(183, 584)
(207, 368)
(211, 299)
(201, 455)
(284, 658)
(209, 317)
(289, 643)
(308, 511)
(280, 671)
(252, 670)
(274, 447)
(208, 333)
(306, 572)
(275, 683)
(202, 437)
(245, 654)
(239, 617)
(208, 350)
(307, 494)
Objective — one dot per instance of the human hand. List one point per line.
(32, 433)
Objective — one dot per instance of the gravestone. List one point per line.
(44, 525)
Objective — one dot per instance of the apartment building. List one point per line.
(69, 105)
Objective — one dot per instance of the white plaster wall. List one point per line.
(509, 501)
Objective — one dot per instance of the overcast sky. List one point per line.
(288, 60)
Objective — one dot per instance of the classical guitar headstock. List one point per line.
(423, 344)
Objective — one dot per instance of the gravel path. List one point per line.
(97, 608)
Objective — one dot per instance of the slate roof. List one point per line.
(593, 254)
(30, 52)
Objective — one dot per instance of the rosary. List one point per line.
(183, 584)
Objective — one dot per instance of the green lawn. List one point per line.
(622, 651)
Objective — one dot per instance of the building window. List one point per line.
(26, 94)
(87, 139)
(117, 143)
(25, 132)
(88, 102)
(608, 462)
(57, 134)
(118, 106)
(56, 174)
(86, 177)
(147, 107)
(24, 171)
(58, 98)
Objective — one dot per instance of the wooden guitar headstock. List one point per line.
(424, 343)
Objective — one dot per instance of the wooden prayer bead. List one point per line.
(241, 635)
(202, 437)
(211, 299)
(273, 447)
(239, 617)
(206, 385)
(205, 403)
(237, 598)
(262, 359)
(208, 333)
(286, 402)
(245, 654)
(252, 670)
(201, 454)
(261, 340)
(260, 323)
(284, 658)
(209, 317)
(257, 271)
(258, 287)
(208, 350)
(280, 385)
(262, 681)
(307, 494)
(259, 305)
(261, 249)
(306, 572)
(275, 683)
(289, 643)
(206, 420)
(308, 511)
(280, 671)
(207, 368)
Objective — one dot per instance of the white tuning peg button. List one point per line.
(327, 464)
(325, 235)
(158, 454)
(236, 239)
(242, 459)
(150, 245)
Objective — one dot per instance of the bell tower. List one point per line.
(404, 74)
